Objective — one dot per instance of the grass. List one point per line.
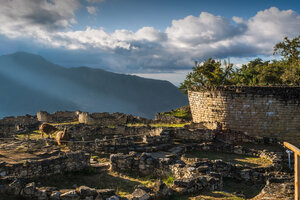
(124, 184)
(100, 159)
(232, 190)
(34, 135)
(168, 180)
(64, 123)
(183, 113)
(159, 125)
(234, 158)
(217, 195)
(95, 157)
(248, 190)
(103, 160)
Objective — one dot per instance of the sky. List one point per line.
(158, 39)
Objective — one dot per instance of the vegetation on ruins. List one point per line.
(182, 112)
(257, 72)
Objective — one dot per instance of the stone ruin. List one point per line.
(9, 126)
(60, 116)
(139, 150)
(106, 119)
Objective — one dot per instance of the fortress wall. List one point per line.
(256, 111)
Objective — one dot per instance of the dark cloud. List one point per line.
(147, 49)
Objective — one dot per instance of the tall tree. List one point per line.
(207, 74)
(289, 49)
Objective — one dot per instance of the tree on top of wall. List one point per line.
(207, 74)
(257, 72)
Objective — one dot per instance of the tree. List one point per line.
(291, 75)
(207, 74)
(289, 49)
(257, 72)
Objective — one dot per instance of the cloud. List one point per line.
(148, 49)
(205, 29)
(95, 1)
(270, 26)
(92, 10)
(19, 17)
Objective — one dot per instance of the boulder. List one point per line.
(140, 194)
(71, 195)
(85, 191)
(29, 190)
(41, 194)
(161, 189)
(105, 193)
(55, 195)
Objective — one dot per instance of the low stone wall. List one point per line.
(163, 138)
(64, 162)
(198, 135)
(124, 144)
(224, 169)
(106, 119)
(58, 117)
(189, 178)
(162, 118)
(10, 126)
(200, 183)
(92, 132)
(19, 189)
(144, 164)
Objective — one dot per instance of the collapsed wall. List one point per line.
(12, 125)
(58, 117)
(106, 119)
(257, 111)
(64, 162)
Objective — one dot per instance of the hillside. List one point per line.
(29, 83)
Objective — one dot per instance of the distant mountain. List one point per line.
(29, 83)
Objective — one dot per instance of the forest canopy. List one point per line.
(212, 73)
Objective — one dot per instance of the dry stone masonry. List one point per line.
(162, 153)
(9, 126)
(257, 111)
(59, 116)
(56, 164)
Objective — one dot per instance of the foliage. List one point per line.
(230, 157)
(207, 74)
(158, 125)
(169, 180)
(183, 112)
(257, 72)
(289, 49)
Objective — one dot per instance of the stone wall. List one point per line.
(92, 132)
(106, 119)
(11, 125)
(124, 144)
(192, 174)
(58, 117)
(64, 162)
(162, 118)
(144, 164)
(17, 188)
(257, 111)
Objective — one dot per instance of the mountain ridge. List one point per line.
(85, 88)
